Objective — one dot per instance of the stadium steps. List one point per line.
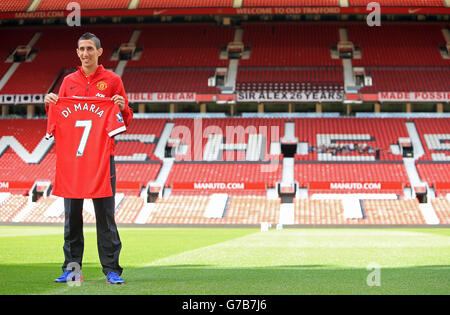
(441, 206)
(287, 214)
(133, 4)
(289, 133)
(352, 208)
(9, 74)
(163, 173)
(412, 172)
(19, 217)
(287, 177)
(56, 209)
(15, 65)
(415, 140)
(233, 65)
(33, 5)
(145, 213)
(349, 78)
(163, 140)
(409, 163)
(217, 206)
(428, 213)
(446, 33)
(4, 197)
(120, 68)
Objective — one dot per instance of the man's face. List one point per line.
(88, 53)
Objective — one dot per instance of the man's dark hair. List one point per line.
(92, 37)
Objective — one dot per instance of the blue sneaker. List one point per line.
(65, 276)
(114, 278)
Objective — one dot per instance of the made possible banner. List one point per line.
(414, 96)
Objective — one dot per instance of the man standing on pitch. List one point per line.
(92, 79)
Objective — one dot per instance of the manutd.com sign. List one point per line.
(218, 186)
(356, 185)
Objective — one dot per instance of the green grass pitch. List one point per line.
(236, 261)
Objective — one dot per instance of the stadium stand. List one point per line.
(392, 44)
(178, 45)
(11, 207)
(441, 206)
(14, 6)
(55, 59)
(180, 209)
(242, 210)
(433, 173)
(232, 130)
(374, 133)
(433, 166)
(171, 58)
(392, 212)
(38, 213)
(21, 37)
(407, 79)
(290, 79)
(434, 133)
(319, 212)
(129, 209)
(273, 44)
(29, 135)
(168, 80)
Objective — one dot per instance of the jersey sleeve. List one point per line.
(51, 121)
(127, 113)
(115, 124)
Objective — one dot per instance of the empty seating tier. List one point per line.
(274, 44)
(398, 44)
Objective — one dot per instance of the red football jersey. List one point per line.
(83, 128)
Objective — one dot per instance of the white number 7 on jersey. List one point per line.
(86, 124)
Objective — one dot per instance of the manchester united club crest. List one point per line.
(102, 85)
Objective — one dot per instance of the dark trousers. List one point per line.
(108, 240)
